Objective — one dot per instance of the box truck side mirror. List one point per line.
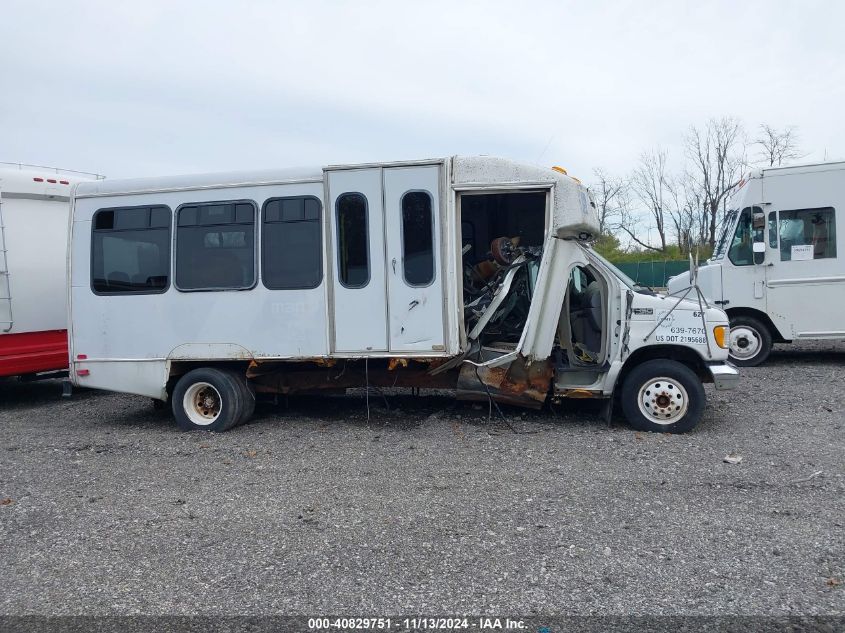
(759, 249)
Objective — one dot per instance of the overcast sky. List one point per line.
(159, 87)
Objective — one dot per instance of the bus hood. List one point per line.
(652, 308)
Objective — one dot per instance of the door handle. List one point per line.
(394, 265)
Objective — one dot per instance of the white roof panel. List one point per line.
(118, 186)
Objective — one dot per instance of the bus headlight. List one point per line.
(720, 333)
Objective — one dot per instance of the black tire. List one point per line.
(748, 333)
(220, 390)
(672, 395)
(248, 397)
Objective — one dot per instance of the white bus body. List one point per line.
(778, 269)
(208, 289)
(34, 204)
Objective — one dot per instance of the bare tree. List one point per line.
(651, 184)
(684, 211)
(611, 195)
(717, 153)
(777, 146)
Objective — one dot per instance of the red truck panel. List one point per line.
(33, 352)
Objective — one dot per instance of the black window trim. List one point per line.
(337, 237)
(769, 217)
(255, 241)
(434, 240)
(319, 222)
(170, 272)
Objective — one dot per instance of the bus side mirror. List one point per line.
(759, 249)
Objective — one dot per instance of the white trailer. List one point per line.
(34, 221)
(778, 267)
(472, 273)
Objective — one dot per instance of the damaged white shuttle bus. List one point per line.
(468, 273)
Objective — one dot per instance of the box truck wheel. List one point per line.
(663, 396)
(750, 341)
(209, 399)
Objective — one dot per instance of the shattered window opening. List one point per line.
(500, 233)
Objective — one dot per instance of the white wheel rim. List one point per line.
(744, 342)
(202, 403)
(663, 400)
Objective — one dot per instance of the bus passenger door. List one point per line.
(414, 262)
(359, 314)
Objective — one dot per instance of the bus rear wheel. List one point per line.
(208, 399)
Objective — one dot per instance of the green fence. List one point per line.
(654, 274)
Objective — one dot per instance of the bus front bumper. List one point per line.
(725, 375)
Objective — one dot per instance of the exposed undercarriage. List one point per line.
(502, 248)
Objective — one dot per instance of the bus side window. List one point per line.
(353, 247)
(292, 243)
(215, 246)
(130, 250)
(417, 238)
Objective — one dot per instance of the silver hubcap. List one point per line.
(745, 342)
(202, 403)
(663, 400)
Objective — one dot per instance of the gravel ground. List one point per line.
(106, 508)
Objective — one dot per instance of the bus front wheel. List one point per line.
(663, 396)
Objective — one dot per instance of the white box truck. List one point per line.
(34, 221)
(471, 273)
(777, 268)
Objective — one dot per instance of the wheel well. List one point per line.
(760, 316)
(683, 355)
(179, 368)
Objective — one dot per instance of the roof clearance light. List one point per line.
(559, 169)
(64, 182)
(38, 179)
(52, 180)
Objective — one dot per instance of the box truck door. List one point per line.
(414, 266)
(743, 281)
(359, 313)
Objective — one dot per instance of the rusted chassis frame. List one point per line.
(519, 383)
